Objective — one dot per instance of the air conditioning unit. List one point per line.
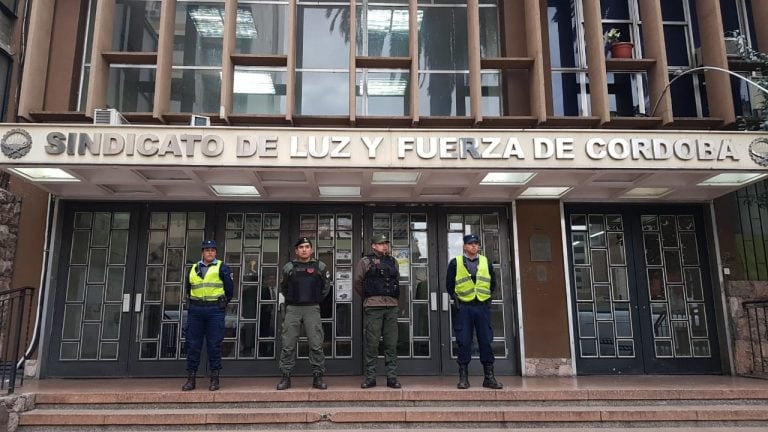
(108, 116)
(732, 47)
(199, 121)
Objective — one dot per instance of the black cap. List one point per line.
(380, 238)
(208, 244)
(301, 241)
(470, 238)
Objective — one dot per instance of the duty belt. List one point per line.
(197, 302)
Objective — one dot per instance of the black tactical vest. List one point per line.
(305, 285)
(381, 277)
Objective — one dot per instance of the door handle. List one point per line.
(126, 302)
(137, 303)
(445, 302)
(433, 301)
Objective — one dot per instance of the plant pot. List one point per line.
(621, 49)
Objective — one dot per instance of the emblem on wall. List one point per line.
(16, 143)
(758, 151)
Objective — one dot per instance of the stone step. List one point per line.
(398, 416)
(729, 428)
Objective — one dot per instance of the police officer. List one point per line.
(209, 288)
(377, 279)
(470, 282)
(304, 284)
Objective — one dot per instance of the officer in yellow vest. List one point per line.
(209, 288)
(470, 282)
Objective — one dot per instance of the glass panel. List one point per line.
(194, 240)
(250, 266)
(148, 350)
(196, 220)
(97, 266)
(603, 302)
(169, 340)
(596, 231)
(234, 221)
(588, 347)
(177, 230)
(682, 339)
(443, 38)
(685, 223)
(100, 230)
(115, 276)
(579, 246)
(270, 247)
(267, 321)
(606, 338)
(83, 220)
(76, 284)
(94, 295)
(343, 349)
(689, 249)
(444, 94)
(383, 93)
(619, 284)
(656, 289)
(652, 249)
(491, 93)
(207, 95)
(269, 283)
(660, 320)
(172, 302)
(309, 87)
(578, 223)
(672, 266)
(72, 318)
(419, 251)
(701, 348)
(323, 38)
(154, 286)
(248, 304)
(626, 348)
(136, 26)
(385, 29)
(89, 347)
(600, 266)
(118, 248)
(623, 318)
(663, 348)
(677, 303)
(109, 350)
(403, 339)
(420, 283)
(259, 90)
(131, 88)
(247, 345)
(199, 31)
(156, 247)
(614, 223)
(271, 221)
(252, 235)
(344, 319)
(489, 32)
(111, 325)
(80, 245)
(693, 284)
(586, 320)
(152, 315)
(668, 231)
(616, 248)
(256, 19)
(567, 94)
(420, 319)
(698, 320)
(562, 33)
(175, 266)
(158, 221)
(583, 282)
(421, 348)
(650, 223)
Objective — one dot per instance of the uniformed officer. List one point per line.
(377, 280)
(209, 289)
(470, 282)
(304, 284)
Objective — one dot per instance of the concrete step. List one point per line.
(352, 415)
(368, 428)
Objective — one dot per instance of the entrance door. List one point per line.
(642, 296)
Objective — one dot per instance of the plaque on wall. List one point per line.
(541, 248)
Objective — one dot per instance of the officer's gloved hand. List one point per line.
(221, 302)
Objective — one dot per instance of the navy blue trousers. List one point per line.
(204, 322)
(471, 318)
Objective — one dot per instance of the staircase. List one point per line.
(665, 407)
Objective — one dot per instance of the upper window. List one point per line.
(137, 25)
(737, 17)
(262, 27)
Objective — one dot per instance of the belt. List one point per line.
(474, 302)
(203, 302)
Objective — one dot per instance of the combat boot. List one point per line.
(489, 380)
(190, 384)
(463, 377)
(285, 382)
(317, 381)
(368, 383)
(214, 380)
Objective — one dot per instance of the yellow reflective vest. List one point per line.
(466, 290)
(207, 288)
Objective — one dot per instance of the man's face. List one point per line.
(380, 248)
(471, 248)
(304, 251)
(209, 254)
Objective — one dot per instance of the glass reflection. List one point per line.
(262, 28)
(131, 88)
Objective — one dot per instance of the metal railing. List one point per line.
(757, 317)
(16, 317)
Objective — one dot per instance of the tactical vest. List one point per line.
(466, 290)
(208, 288)
(380, 279)
(305, 284)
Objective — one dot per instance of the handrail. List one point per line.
(15, 313)
(758, 334)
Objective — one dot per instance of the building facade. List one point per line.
(592, 179)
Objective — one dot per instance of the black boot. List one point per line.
(488, 379)
(214, 380)
(463, 378)
(190, 384)
(317, 381)
(368, 383)
(285, 382)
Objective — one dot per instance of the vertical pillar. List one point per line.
(719, 97)
(654, 47)
(227, 67)
(595, 47)
(352, 56)
(164, 58)
(413, 50)
(32, 94)
(473, 45)
(760, 16)
(290, 79)
(535, 41)
(98, 79)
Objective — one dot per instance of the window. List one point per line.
(681, 37)
(570, 94)
(137, 25)
(85, 68)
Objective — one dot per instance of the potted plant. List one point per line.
(619, 49)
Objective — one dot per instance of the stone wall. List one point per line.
(10, 209)
(10, 408)
(737, 293)
(548, 367)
